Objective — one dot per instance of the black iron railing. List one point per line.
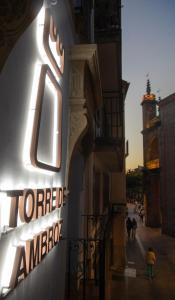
(109, 119)
(107, 18)
(100, 16)
(86, 259)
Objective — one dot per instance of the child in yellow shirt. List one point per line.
(150, 261)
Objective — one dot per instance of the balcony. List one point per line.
(99, 19)
(107, 20)
(82, 16)
(109, 132)
(109, 120)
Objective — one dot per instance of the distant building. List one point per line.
(151, 124)
(167, 163)
(159, 164)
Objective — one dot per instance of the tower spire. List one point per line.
(149, 96)
(148, 87)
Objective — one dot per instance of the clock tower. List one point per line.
(151, 176)
(149, 105)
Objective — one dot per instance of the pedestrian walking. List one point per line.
(150, 261)
(134, 228)
(141, 214)
(129, 227)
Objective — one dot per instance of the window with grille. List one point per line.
(109, 119)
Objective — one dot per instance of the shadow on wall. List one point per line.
(75, 205)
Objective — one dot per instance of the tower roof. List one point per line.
(149, 96)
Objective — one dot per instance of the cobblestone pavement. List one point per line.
(135, 285)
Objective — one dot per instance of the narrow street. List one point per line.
(135, 285)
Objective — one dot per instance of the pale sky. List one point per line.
(148, 46)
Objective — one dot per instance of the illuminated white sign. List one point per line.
(48, 72)
(30, 223)
(41, 209)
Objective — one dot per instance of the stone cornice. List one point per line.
(89, 53)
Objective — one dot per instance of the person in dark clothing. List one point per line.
(128, 227)
(134, 228)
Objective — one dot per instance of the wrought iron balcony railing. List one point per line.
(102, 17)
(109, 120)
(107, 19)
(86, 259)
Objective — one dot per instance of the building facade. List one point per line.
(167, 175)
(101, 154)
(62, 179)
(158, 145)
